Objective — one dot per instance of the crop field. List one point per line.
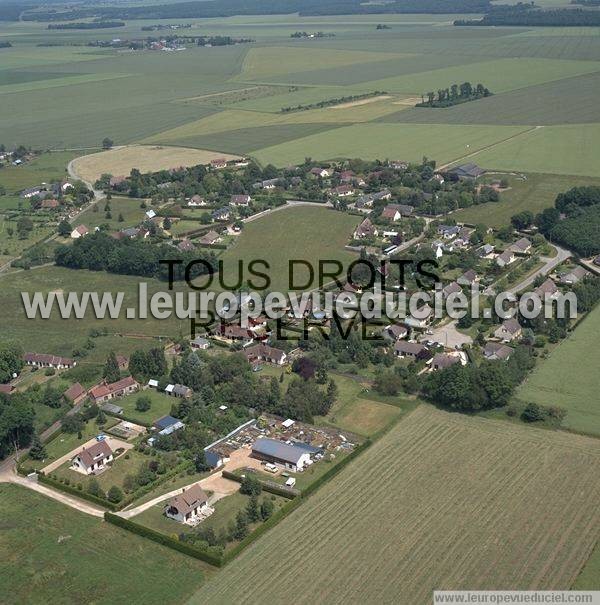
(145, 158)
(534, 193)
(53, 553)
(442, 501)
(569, 378)
(227, 99)
(308, 233)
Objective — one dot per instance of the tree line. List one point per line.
(569, 17)
(329, 102)
(454, 95)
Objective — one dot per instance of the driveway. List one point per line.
(112, 442)
(448, 336)
(215, 483)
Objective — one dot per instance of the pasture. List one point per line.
(122, 160)
(569, 378)
(309, 233)
(53, 553)
(442, 501)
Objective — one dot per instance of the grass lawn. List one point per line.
(226, 510)
(160, 406)
(307, 233)
(52, 553)
(128, 207)
(536, 192)
(128, 463)
(569, 378)
(66, 442)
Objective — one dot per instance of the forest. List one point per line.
(570, 17)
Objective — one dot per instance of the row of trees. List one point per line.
(329, 102)
(455, 94)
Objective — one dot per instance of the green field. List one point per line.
(397, 520)
(569, 378)
(160, 405)
(534, 193)
(308, 233)
(51, 553)
(74, 96)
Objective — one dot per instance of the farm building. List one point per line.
(291, 456)
(466, 171)
(189, 507)
(92, 459)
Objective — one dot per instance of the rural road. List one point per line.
(549, 264)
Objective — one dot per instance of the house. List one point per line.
(506, 258)
(485, 251)
(509, 330)
(384, 194)
(263, 352)
(365, 229)
(320, 172)
(277, 452)
(105, 392)
(441, 361)
(178, 390)
(133, 232)
(240, 200)
(79, 231)
(165, 422)
(92, 459)
(343, 191)
(468, 278)
(270, 183)
(521, 246)
(75, 394)
(32, 192)
(448, 231)
(597, 261)
(573, 276)
(122, 362)
(451, 288)
(466, 171)
(196, 201)
(186, 245)
(235, 332)
(463, 237)
(438, 178)
(402, 348)
(218, 163)
(199, 343)
(150, 214)
(395, 332)
(547, 290)
(364, 203)
(391, 213)
(189, 507)
(497, 351)
(210, 238)
(221, 214)
(41, 360)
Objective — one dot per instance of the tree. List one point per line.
(522, 220)
(241, 526)
(115, 494)
(250, 486)
(64, 228)
(166, 223)
(101, 418)
(533, 413)
(252, 510)
(94, 488)
(37, 451)
(111, 370)
(143, 403)
(24, 226)
(73, 423)
(51, 397)
(121, 218)
(266, 509)
(107, 143)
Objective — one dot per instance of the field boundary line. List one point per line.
(491, 146)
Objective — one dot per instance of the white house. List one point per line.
(92, 459)
(189, 507)
(79, 231)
